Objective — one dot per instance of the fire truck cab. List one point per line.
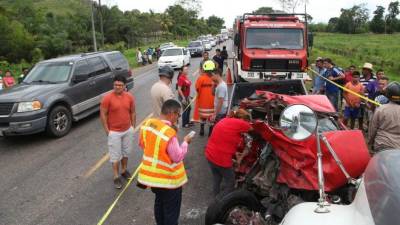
(270, 47)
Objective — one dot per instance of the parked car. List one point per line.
(60, 91)
(166, 45)
(196, 48)
(207, 45)
(212, 41)
(177, 57)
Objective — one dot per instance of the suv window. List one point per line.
(117, 60)
(51, 72)
(81, 68)
(97, 66)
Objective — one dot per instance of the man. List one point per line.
(205, 58)
(219, 59)
(331, 90)
(348, 75)
(23, 75)
(162, 165)
(380, 93)
(118, 116)
(204, 107)
(224, 53)
(367, 76)
(161, 91)
(139, 57)
(220, 97)
(384, 129)
(352, 107)
(319, 82)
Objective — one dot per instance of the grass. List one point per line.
(382, 50)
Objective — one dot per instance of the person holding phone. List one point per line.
(162, 167)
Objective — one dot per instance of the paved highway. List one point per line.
(69, 180)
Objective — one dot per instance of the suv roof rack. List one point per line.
(91, 53)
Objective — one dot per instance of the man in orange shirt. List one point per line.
(118, 116)
(204, 108)
(352, 107)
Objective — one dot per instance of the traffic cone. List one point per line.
(228, 76)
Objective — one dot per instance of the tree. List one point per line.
(215, 23)
(377, 24)
(333, 24)
(193, 5)
(264, 10)
(353, 20)
(390, 19)
(291, 5)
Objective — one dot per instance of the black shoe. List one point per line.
(210, 129)
(117, 183)
(126, 175)
(202, 130)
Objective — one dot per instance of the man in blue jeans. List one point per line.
(333, 74)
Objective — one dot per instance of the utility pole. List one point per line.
(93, 30)
(101, 24)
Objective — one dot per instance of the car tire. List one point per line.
(59, 121)
(218, 210)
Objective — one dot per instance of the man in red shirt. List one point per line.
(222, 146)
(118, 116)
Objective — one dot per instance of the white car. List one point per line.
(176, 57)
(207, 45)
(212, 42)
(167, 45)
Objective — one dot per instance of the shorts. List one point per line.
(351, 113)
(120, 144)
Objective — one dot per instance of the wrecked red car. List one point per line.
(277, 172)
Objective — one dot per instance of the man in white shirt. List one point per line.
(161, 91)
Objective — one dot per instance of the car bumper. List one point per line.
(172, 65)
(23, 123)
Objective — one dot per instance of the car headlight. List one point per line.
(29, 106)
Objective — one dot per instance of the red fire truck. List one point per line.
(271, 47)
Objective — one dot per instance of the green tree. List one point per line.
(215, 24)
(377, 24)
(390, 19)
(264, 10)
(353, 20)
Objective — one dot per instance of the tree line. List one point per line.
(355, 20)
(31, 30)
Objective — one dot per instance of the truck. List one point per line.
(270, 47)
(224, 33)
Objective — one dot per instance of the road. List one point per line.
(69, 180)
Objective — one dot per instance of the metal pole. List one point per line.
(322, 197)
(93, 31)
(101, 24)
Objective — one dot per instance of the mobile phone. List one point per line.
(192, 133)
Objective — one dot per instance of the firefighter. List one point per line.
(204, 108)
(162, 166)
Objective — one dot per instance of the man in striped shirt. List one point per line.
(366, 77)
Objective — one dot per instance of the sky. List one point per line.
(320, 10)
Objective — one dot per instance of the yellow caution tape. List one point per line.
(346, 89)
(105, 216)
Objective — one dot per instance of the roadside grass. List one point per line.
(382, 50)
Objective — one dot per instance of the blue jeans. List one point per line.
(334, 99)
(186, 116)
(167, 205)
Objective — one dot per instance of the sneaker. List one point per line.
(126, 175)
(117, 183)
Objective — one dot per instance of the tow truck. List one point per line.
(271, 47)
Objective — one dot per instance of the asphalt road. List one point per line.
(69, 180)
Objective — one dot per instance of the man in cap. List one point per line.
(319, 82)
(384, 129)
(161, 91)
(367, 76)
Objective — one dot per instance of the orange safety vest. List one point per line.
(157, 168)
(204, 107)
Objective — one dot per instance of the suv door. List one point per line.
(80, 93)
(101, 74)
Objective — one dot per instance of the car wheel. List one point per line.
(59, 121)
(220, 210)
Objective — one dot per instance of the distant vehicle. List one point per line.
(176, 57)
(212, 42)
(225, 34)
(166, 45)
(207, 45)
(58, 91)
(196, 48)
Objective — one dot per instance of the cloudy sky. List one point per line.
(320, 10)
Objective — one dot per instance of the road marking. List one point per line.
(106, 157)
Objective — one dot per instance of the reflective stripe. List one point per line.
(161, 171)
(157, 147)
(206, 110)
(144, 132)
(152, 160)
(156, 132)
(160, 182)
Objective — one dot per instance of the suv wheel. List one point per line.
(59, 121)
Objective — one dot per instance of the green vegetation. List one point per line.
(382, 50)
(33, 30)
